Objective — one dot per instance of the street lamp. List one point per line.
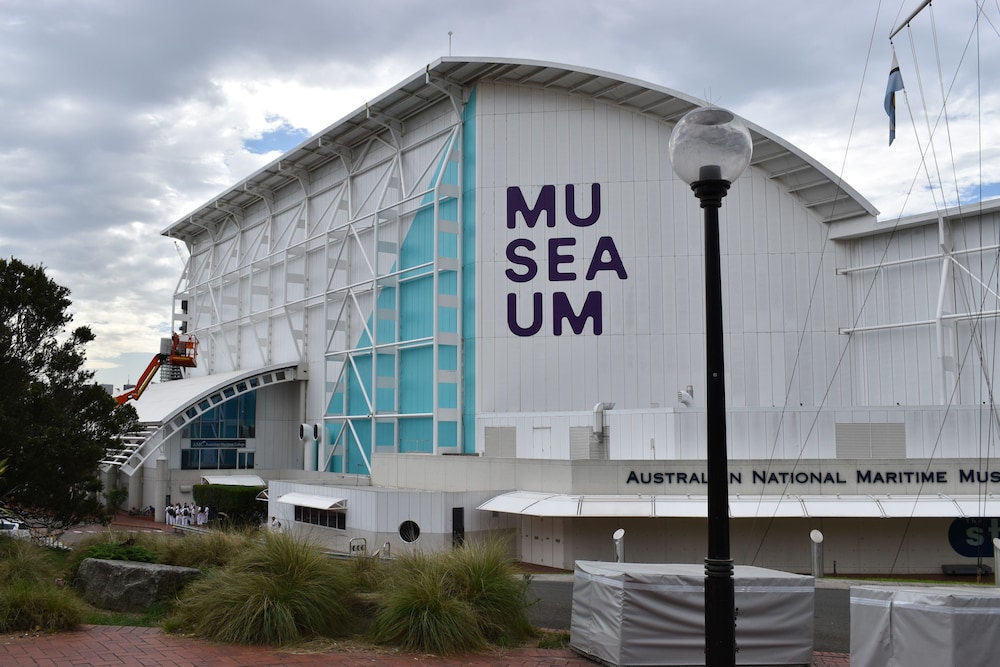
(709, 149)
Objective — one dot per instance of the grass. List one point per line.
(31, 591)
(420, 612)
(486, 577)
(453, 601)
(279, 591)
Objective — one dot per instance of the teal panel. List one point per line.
(385, 400)
(417, 308)
(448, 283)
(448, 394)
(448, 245)
(447, 434)
(416, 435)
(386, 365)
(357, 388)
(418, 246)
(448, 319)
(385, 434)
(416, 379)
(448, 357)
(354, 463)
(333, 432)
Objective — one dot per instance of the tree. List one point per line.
(55, 422)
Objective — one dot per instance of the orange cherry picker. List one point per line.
(183, 353)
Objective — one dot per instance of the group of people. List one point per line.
(187, 515)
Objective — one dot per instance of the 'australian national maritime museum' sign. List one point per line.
(786, 478)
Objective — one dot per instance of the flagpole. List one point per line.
(909, 18)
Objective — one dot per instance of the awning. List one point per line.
(315, 502)
(233, 480)
(532, 503)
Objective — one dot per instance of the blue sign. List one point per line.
(218, 444)
(973, 537)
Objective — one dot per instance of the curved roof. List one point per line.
(451, 78)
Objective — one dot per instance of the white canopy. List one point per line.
(233, 480)
(316, 502)
(532, 503)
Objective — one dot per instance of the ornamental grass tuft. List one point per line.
(486, 577)
(454, 601)
(31, 596)
(280, 590)
(419, 611)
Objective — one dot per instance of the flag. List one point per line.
(895, 83)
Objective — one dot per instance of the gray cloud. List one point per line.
(120, 117)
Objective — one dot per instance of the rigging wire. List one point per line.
(974, 340)
(802, 332)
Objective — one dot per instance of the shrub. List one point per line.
(114, 545)
(28, 606)
(131, 552)
(419, 612)
(486, 577)
(29, 595)
(278, 591)
(22, 560)
(453, 601)
(201, 550)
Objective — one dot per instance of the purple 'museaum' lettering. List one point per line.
(595, 206)
(546, 203)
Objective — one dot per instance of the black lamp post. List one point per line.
(709, 149)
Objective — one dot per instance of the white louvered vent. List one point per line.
(871, 441)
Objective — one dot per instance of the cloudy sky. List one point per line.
(118, 117)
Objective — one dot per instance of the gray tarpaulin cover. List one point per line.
(938, 626)
(652, 614)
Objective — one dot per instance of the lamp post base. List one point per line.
(720, 605)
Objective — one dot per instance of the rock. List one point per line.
(121, 585)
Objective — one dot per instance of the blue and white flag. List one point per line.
(895, 83)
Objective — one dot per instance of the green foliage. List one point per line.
(239, 503)
(280, 590)
(55, 422)
(25, 606)
(22, 560)
(368, 573)
(30, 594)
(419, 610)
(204, 550)
(486, 577)
(131, 552)
(453, 601)
(114, 545)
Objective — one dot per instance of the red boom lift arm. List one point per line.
(183, 352)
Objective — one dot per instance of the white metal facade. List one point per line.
(472, 262)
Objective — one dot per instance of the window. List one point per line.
(327, 518)
(236, 418)
(217, 455)
(409, 531)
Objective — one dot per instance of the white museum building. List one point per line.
(476, 304)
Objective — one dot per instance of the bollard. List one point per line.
(619, 539)
(817, 553)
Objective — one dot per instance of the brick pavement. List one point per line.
(118, 646)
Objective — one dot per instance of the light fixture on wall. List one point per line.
(686, 396)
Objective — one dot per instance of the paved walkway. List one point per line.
(117, 646)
